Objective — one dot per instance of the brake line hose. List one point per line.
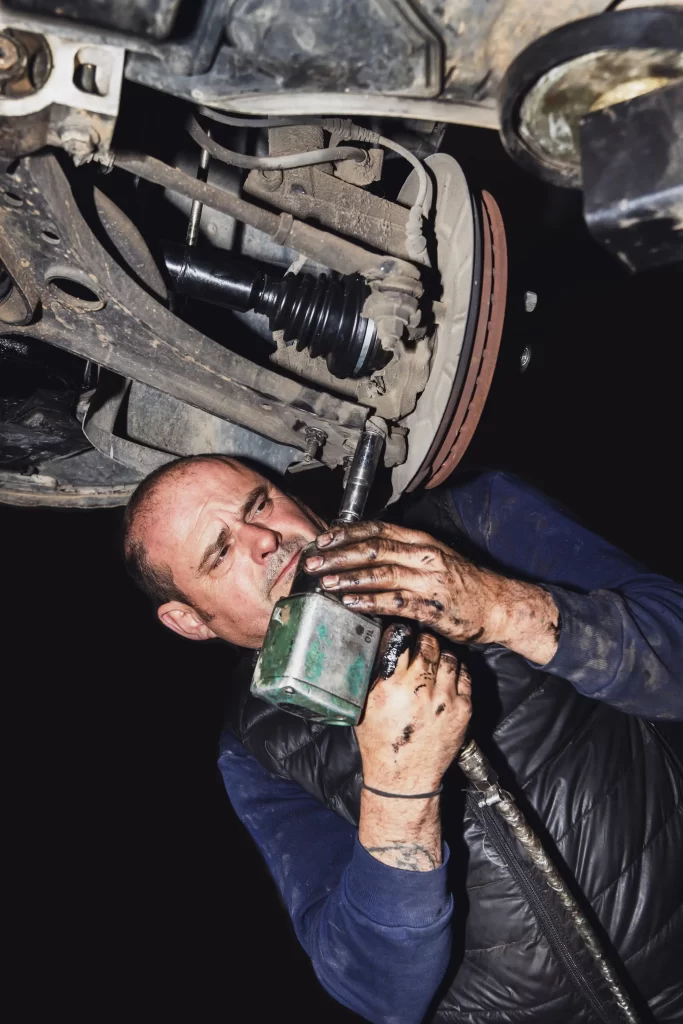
(416, 244)
(272, 163)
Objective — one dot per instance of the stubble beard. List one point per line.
(278, 561)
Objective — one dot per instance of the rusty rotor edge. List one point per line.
(491, 316)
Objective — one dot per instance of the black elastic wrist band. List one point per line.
(405, 796)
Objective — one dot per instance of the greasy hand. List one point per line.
(384, 569)
(416, 715)
(388, 570)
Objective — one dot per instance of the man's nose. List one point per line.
(262, 541)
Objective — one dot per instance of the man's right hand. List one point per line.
(414, 725)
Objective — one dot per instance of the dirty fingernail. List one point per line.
(330, 581)
(350, 600)
(314, 563)
(323, 540)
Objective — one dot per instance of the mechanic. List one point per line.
(573, 649)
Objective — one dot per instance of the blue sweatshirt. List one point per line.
(379, 937)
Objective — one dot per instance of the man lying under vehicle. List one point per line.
(415, 908)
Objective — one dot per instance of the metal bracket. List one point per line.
(79, 120)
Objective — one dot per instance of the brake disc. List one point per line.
(472, 261)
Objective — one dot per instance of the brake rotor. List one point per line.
(467, 400)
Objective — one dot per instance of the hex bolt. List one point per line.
(315, 439)
(9, 53)
(271, 180)
(530, 301)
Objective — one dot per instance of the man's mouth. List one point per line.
(289, 567)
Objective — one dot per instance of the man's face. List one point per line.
(232, 541)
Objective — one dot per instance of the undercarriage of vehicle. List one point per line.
(203, 252)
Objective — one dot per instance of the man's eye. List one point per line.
(221, 554)
(261, 505)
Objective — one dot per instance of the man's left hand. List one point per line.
(383, 569)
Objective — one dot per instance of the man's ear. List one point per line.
(184, 620)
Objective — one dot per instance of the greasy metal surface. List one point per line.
(336, 253)
(162, 421)
(87, 480)
(475, 766)
(220, 228)
(294, 42)
(101, 421)
(454, 228)
(132, 334)
(361, 473)
(130, 245)
(143, 428)
(489, 331)
(317, 659)
(551, 112)
(281, 56)
(634, 207)
(62, 114)
(139, 17)
(392, 305)
(313, 193)
(434, 59)
(482, 39)
(560, 65)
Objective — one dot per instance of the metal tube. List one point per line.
(197, 205)
(476, 767)
(361, 473)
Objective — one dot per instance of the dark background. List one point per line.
(139, 894)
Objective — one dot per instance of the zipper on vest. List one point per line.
(530, 889)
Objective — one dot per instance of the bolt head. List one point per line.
(525, 358)
(530, 301)
(271, 180)
(9, 53)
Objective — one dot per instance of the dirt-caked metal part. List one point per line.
(74, 104)
(120, 326)
(86, 480)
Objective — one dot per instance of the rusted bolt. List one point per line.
(271, 180)
(315, 439)
(79, 140)
(9, 53)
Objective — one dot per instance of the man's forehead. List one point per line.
(181, 497)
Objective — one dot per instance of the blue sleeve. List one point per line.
(621, 627)
(379, 937)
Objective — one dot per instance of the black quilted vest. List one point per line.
(603, 790)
